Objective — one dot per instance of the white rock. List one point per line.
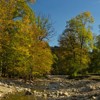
(66, 94)
(60, 93)
(92, 87)
(94, 98)
(57, 93)
(45, 95)
(1, 95)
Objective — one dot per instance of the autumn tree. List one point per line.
(11, 12)
(95, 57)
(75, 42)
(22, 53)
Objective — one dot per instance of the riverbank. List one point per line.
(12, 86)
(55, 88)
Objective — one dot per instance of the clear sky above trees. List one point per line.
(61, 11)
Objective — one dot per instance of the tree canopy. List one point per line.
(23, 54)
(24, 47)
(75, 43)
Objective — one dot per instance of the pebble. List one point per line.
(69, 89)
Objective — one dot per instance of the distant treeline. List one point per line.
(24, 48)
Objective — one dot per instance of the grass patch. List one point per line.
(21, 96)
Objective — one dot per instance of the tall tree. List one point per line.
(22, 52)
(76, 41)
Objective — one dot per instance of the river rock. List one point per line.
(28, 93)
(1, 95)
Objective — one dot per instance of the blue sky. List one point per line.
(61, 11)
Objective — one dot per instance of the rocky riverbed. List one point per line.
(11, 86)
(55, 88)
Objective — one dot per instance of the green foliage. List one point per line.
(24, 50)
(22, 53)
(76, 41)
(95, 57)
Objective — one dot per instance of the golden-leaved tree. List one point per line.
(22, 52)
(75, 42)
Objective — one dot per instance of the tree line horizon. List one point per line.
(25, 51)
